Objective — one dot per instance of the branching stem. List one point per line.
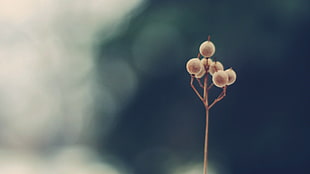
(205, 101)
(205, 96)
(199, 82)
(219, 98)
(196, 91)
(211, 85)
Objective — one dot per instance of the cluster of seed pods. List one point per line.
(200, 67)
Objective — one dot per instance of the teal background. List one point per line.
(261, 126)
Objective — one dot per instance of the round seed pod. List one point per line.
(200, 74)
(207, 49)
(220, 78)
(231, 76)
(215, 66)
(206, 62)
(194, 66)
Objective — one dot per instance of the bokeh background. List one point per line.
(100, 87)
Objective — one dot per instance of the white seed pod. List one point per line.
(215, 66)
(200, 74)
(194, 66)
(232, 76)
(206, 62)
(220, 78)
(207, 49)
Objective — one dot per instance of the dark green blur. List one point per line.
(261, 127)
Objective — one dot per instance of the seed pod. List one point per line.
(220, 78)
(200, 74)
(194, 66)
(215, 66)
(206, 62)
(207, 49)
(231, 76)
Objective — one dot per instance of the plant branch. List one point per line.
(205, 96)
(192, 85)
(205, 161)
(219, 98)
(205, 91)
(200, 84)
(211, 85)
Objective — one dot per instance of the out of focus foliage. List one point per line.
(100, 87)
(262, 125)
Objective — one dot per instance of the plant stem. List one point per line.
(205, 96)
(197, 93)
(205, 164)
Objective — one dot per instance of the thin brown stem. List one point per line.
(196, 91)
(211, 85)
(205, 163)
(199, 82)
(198, 56)
(205, 96)
(219, 98)
(205, 89)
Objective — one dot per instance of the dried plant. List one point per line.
(202, 69)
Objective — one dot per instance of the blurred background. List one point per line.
(100, 87)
